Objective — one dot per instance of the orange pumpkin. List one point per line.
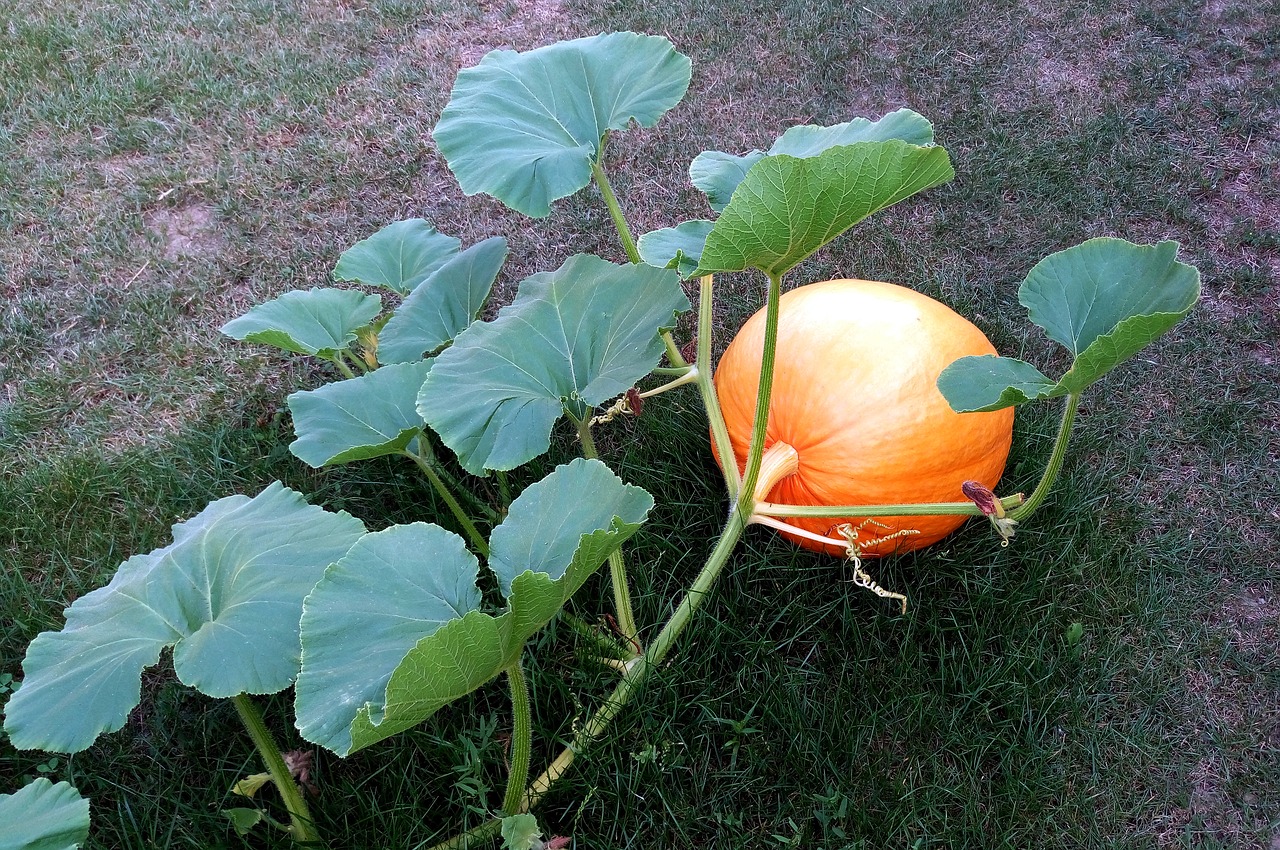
(855, 395)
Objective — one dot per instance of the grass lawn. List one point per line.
(1110, 680)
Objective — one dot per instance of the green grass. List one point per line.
(164, 165)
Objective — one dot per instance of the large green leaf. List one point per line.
(1107, 299)
(443, 304)
(583, 496)
(787, 207)
(399, 256)
(317, 321)
(525, 127)
(451, 662)
(43, 816)
(1104, 299)
(987, 382)
(557, 532)
(572, 339)
(392, 589)
(718, 174)
(372, 415)
(678, 247)
(394, 632)
(226, 595)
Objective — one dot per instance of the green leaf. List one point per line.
(368, 416)
(525, 127)
(579, 495)
(399, 256)
(678, 247)
(443, 304)
(392, 589)
(317, 321)
(718, 174)
(1106, 299)
(521, 832)
(810, 140)
(787, 208)
(572, 339)
(988, 382)
(456, 659)
(226, 595)
(244, 820)
(43, 816)
(468, 652)
(393, 632)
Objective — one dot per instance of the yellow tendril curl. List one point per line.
(853, 552)
(624, 404)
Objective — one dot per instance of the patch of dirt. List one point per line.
(1238, 718)
(1251, 618)
(122, 170)
(509, 24)
(190, 230)
(1232, 138)
(1074, 64)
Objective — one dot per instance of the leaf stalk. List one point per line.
(919, 509)
(302, 827)
(755, 454)
(611, 201)
(1055, 461)
(473, 534)
(707, 388)
(521, 739)
(617, 565)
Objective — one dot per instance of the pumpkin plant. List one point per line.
(857, 417)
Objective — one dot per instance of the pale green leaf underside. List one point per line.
(443, 304)
(525, 127)
(572, 339)
(1104, 299)
(398, 257)
(787, 208)
(520, 832)
(43, 816)
(718, 174)
(369, 416)
(988, 382)
(226, 595)
(315, 321)
(678, 247)
(383, 602)
(392, 589)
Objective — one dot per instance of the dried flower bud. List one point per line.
(982, 496)
(300, 765)
(635, 401)
(992, 508)
(689, 351)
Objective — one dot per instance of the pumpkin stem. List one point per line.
(761, 519)
(780, 461)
